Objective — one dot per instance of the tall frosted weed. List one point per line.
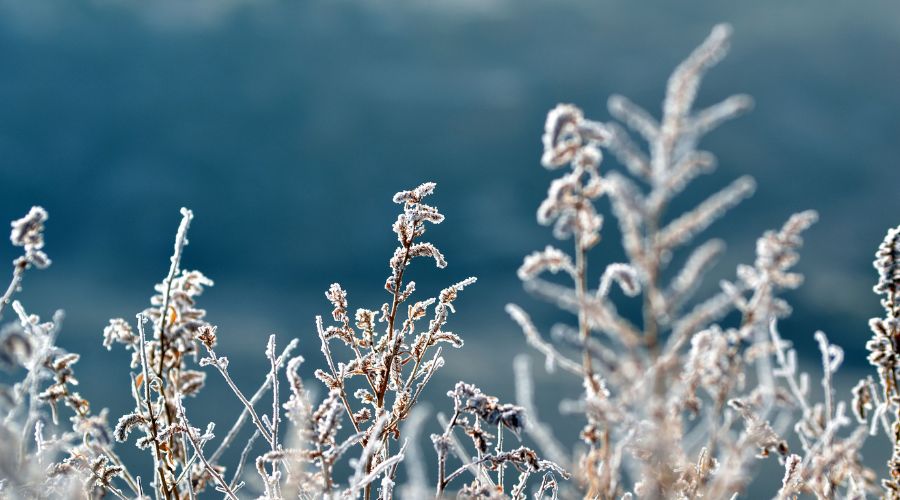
(679, 404)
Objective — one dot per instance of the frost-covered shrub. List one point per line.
(681, 404)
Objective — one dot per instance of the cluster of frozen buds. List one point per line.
(571, 139)
(470, 399)
(28, 232)
(487, 410)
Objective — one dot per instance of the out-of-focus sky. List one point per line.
(288, 126)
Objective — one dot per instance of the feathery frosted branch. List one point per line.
(685, 227)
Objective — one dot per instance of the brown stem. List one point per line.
(382, 389)
(180, 241)
(359, 359)
(583, 327)
(154, 429)
(651, 327)
(442, 458)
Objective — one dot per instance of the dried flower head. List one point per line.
(28, 232)
(118, 331)
(470, 399)
(568, 136)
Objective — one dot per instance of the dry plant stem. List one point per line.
(382, 389)
(463, 468)
(18, 273)
(359, 359)
(240, 395)
(782, 361)
(461, 454)
(114, 458)
(412, 376)
(398, 286)
(381, 468)
(112, 489)
(326, 470)
(894, 387)
(126, 476)
(651, 328)
(498, 450)
(583, 327)
(209, 468)
(186, 470)
(29, 385)
(880, 415)
(545, 348)
(154, 426)
(273, 374)
(275, 401)
(539, 431)
(442, 457)
(186, 467)
(244, 454)
(425, 379)
(326, 350)
(180, 242)
(239, 423)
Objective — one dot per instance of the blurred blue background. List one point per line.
(288, 126)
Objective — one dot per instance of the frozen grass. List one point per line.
(679, 403)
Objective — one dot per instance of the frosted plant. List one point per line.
(374, 388)
(164, 376)
(43, 457)
(378, 365)
(869, 402)
(829, 459)
(677, 404)
(300, 460)
(488, 412)
(394, 359)
(27, 232)
(53, 444)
